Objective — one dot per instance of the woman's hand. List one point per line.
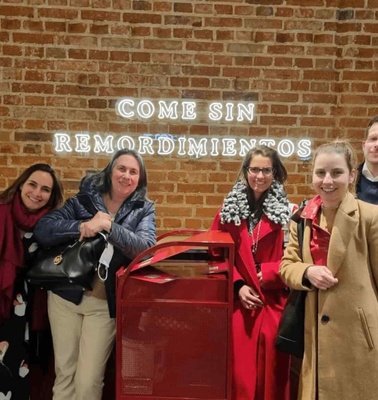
(100, 222)
(321, 277)
(249, 298)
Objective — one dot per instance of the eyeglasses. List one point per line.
(267, 171)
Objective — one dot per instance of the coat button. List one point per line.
(325, 319)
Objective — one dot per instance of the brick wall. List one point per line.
(309, 66)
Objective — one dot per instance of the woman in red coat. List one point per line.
(255, 213)
(34, 193)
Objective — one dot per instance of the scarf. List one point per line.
(276, 206)
(14, 217)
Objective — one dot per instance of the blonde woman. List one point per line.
(339, 269)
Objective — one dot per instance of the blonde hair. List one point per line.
(343, 148)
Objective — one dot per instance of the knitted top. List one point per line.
(235, 207)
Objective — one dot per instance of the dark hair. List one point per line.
(343, 148)
(373, 121)
(103, 180)
(279, 171)
(56, 197)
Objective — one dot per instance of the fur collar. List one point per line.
(275, 206)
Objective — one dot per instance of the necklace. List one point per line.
(255, 243)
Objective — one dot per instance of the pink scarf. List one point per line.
(14, 217)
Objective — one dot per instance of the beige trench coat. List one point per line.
(341, 323)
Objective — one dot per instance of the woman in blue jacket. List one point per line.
(82, 323)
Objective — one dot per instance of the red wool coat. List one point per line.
(260, 372)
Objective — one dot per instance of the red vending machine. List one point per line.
(174, 310)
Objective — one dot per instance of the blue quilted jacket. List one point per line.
(133, 231)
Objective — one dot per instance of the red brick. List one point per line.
(182, 33)
(304, 63)
(141, 57)
(12, 11)
(183, 7)
(35, 125)
(77, 27)
(284, 12)
(77, 54)
(208, 47)
(203, 9)
(223, 9)
(33, 38)
(11, 50)
(55, 26)
(349, 27)
(162, 6)
(10, 24)
(142, 5)
(262, 61)
(305, 37)
(163, 44)
(203, 34)
(32, 88)
(99, 29)
(142, 18)
(102, 16)
(223, 22)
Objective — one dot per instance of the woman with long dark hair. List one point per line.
(255, 213)
(33, 194)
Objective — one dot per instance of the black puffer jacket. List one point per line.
(133, 231)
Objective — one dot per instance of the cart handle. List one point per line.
(203, 239)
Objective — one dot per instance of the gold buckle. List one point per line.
(58, 259)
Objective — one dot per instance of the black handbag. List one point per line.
(67, 266)
(290, 336)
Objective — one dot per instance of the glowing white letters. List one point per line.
(185, 110)
(179, 111)
(166, 144)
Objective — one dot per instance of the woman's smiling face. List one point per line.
(331, 177)
(125, 176)
(260, 182)
(36, 190)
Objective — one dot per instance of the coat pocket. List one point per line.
(365, 328)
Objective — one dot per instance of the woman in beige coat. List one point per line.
(339, 269)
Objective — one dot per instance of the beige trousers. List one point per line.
(83, 338)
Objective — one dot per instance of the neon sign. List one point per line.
(166, 144)
(179, 112)
(185, 110)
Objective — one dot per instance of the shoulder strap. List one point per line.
(300, 223)
(300, 232)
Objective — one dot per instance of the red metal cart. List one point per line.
(174, 309)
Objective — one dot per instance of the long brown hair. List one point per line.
(56, 198)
